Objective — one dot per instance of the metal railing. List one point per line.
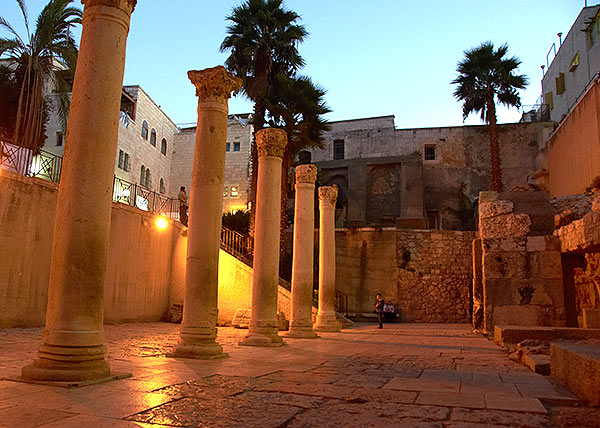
(535, 113)
(24, 162)
(145, 199)
(238, 245)
(341, 302)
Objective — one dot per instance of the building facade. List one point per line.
(575, 64)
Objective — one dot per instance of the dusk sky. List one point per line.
(378, 57)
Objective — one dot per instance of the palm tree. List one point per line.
(47, 56)
(296, 106)
(263, 40)
(484, 77)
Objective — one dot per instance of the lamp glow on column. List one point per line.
(161, 223)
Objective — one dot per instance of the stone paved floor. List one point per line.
(406, 375)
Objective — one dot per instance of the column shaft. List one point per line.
(198, 327)
(263, 329)
(326, 319)
(303, 256)
(73, 340)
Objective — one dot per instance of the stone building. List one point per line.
(423, 177)
(575, 64)
(237, 161)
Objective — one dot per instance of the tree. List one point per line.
(47, 56)
(486, 76)
(296, 106)
(263, 40)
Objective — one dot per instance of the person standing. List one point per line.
(183, 206)
(379, 303)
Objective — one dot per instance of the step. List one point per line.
(576, 365)
(507, 335)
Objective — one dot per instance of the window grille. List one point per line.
(338, 149)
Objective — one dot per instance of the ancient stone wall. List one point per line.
(521, 272)
(428, 274)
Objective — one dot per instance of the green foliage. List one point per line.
(9, 102)
(486, 76)
(238, 221)
(46, 56)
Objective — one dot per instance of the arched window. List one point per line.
(148, 177)
(142, 175)
(145, 130)
(153, 137)
(162, 188)
(163, 147)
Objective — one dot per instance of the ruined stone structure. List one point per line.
(419, 178)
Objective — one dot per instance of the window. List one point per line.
(225, 191)
(148, 183)
(60, 138)
(572, 66)
(163, 147)
(142, 175)
(145, 130)
(338, 149)
(127, 162)
(560, 83)
(549, 99)
(433, 219)
(236, 146)
(121, 163)
(153, 137)
(162, 188)
(429, 154)
(234, 191)
(227, 147)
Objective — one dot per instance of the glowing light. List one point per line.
(161, 223)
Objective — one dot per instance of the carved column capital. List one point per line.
(306, 174)
(328, 194)
(215, 82)
(125, 5)
(271, 142)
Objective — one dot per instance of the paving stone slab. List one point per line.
(499, 417)
(488, 387)
(555, 394)
(514, 403)
(409, 384)
(22, 416)
(451, 399)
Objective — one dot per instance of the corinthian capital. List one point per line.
(271, 142)
(215, 82)
(328, 194)
(124, 5)
(306, 174)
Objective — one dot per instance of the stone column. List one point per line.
(198, 327)
(263, 327)
(73, 340)
(303, 256)
(326, 320)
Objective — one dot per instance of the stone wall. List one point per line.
(574, 148)
(237, 163)
(138, 272)
(428, 274)
(521, 272)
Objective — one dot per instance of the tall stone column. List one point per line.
(73, 340)
(263, 327)
(326, 320)
(303, 256)
(198, 327)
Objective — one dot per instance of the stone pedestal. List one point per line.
(73, 340)
(263, 329)
(302, 262)
(326, 320)
(198, 327)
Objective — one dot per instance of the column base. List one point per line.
(327, 322)
(264, 340)
(63, 364)
(198, 351)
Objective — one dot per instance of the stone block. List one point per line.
(536, 243)
(505, 225)
(505, 335)
(525, 315)
(577, 366)
(550, 265)
(505, 244)
(176, 313)
(282, 323)
(494, 209)
(241, 319)
(591, 318)
(498, 264)
(411, 223)
(487, 196)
